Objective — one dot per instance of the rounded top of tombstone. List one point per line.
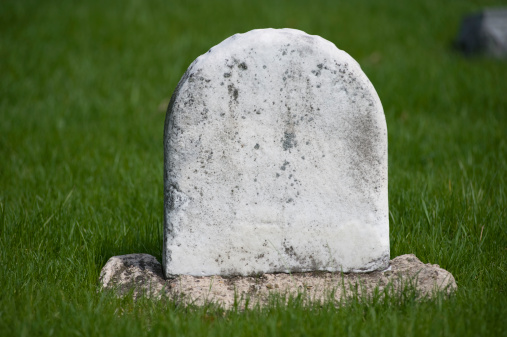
(280, 46)
(275, 160)
(284, 37)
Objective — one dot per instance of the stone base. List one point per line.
(142, 274)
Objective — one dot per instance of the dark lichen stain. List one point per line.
(242, 66)
(219, 260)
(366, 142)
(256, 146)
(305, 261)
(172, 197)
(233, 91)
(289, 251)
(284, 166)
(226, 75)
(289, 140)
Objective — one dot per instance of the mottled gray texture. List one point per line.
(139, 274)
(275, 161)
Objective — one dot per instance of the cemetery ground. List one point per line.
(84, 87)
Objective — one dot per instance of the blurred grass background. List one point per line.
(83, 92)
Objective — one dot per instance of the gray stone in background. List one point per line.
(142, 275)
(275, 161)
(484, 32)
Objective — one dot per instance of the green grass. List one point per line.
(81, 83)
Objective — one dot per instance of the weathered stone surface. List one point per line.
(141, 273)
(275, 161)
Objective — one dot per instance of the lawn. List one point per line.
(84, 86)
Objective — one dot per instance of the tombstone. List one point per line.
(484, 32)
(275, 150)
